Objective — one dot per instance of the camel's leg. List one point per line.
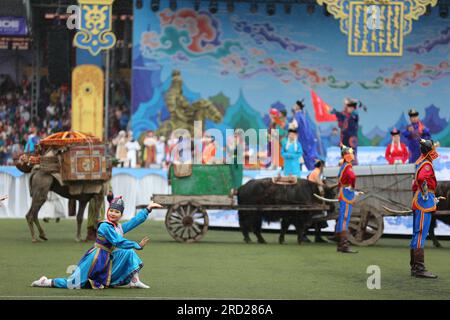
(80, 218)
(40, 186)
(30, 222)
(32, 217)
(41, 231)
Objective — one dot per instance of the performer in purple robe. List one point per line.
(348, 123)
(414, 133)
(305, 136)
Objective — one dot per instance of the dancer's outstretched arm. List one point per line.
(139, 218)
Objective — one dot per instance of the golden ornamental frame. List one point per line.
(412, 10)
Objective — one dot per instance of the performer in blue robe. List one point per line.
(348, 122)
(112, 262)
(414, 133)
(291, 151)
(306, 136)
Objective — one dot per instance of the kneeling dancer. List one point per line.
(112, 262)
(423, 206)
(347, 181)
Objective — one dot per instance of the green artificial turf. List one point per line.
(222, 266)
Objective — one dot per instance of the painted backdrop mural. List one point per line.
(244, 63)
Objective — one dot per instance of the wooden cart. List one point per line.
(209, 187)
(385, 185)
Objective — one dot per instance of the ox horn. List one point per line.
(325, 199)
(389, 210)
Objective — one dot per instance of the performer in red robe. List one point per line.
(423, 205)
(396, 152)
(347, 193)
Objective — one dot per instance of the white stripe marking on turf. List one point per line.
(122, 297)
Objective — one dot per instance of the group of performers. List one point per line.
(306, 147)
(398, 152)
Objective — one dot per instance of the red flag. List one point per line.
(322, 109)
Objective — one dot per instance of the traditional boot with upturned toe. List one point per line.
(343, 243)
(419, 265)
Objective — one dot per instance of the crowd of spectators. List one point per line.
(20, 132)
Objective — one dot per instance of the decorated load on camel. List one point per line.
(72, 155)
(75, 166)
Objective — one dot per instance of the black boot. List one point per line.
(343, 244)
(419, 262)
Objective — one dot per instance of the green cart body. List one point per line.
(213, 179)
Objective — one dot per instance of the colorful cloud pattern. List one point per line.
(443, 39)
(255, 61)
(263, 33)
(418, 73)
(286, 72)
(187, 34)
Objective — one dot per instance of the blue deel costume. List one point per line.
(348, 123)
(111, 262)
(307, 140)
(291, 153)
(413, 138)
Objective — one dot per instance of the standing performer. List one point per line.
(423, 206)
(278, 124)
(348, 123)
(305, 135)
(396, 152)
(413, 133)
(291, 151)
(346, 181)
(112, 261)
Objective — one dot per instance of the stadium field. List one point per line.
(222, 266)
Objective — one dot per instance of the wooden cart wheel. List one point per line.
(187, 221)
(366, 228)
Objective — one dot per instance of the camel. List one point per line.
(41, 183)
